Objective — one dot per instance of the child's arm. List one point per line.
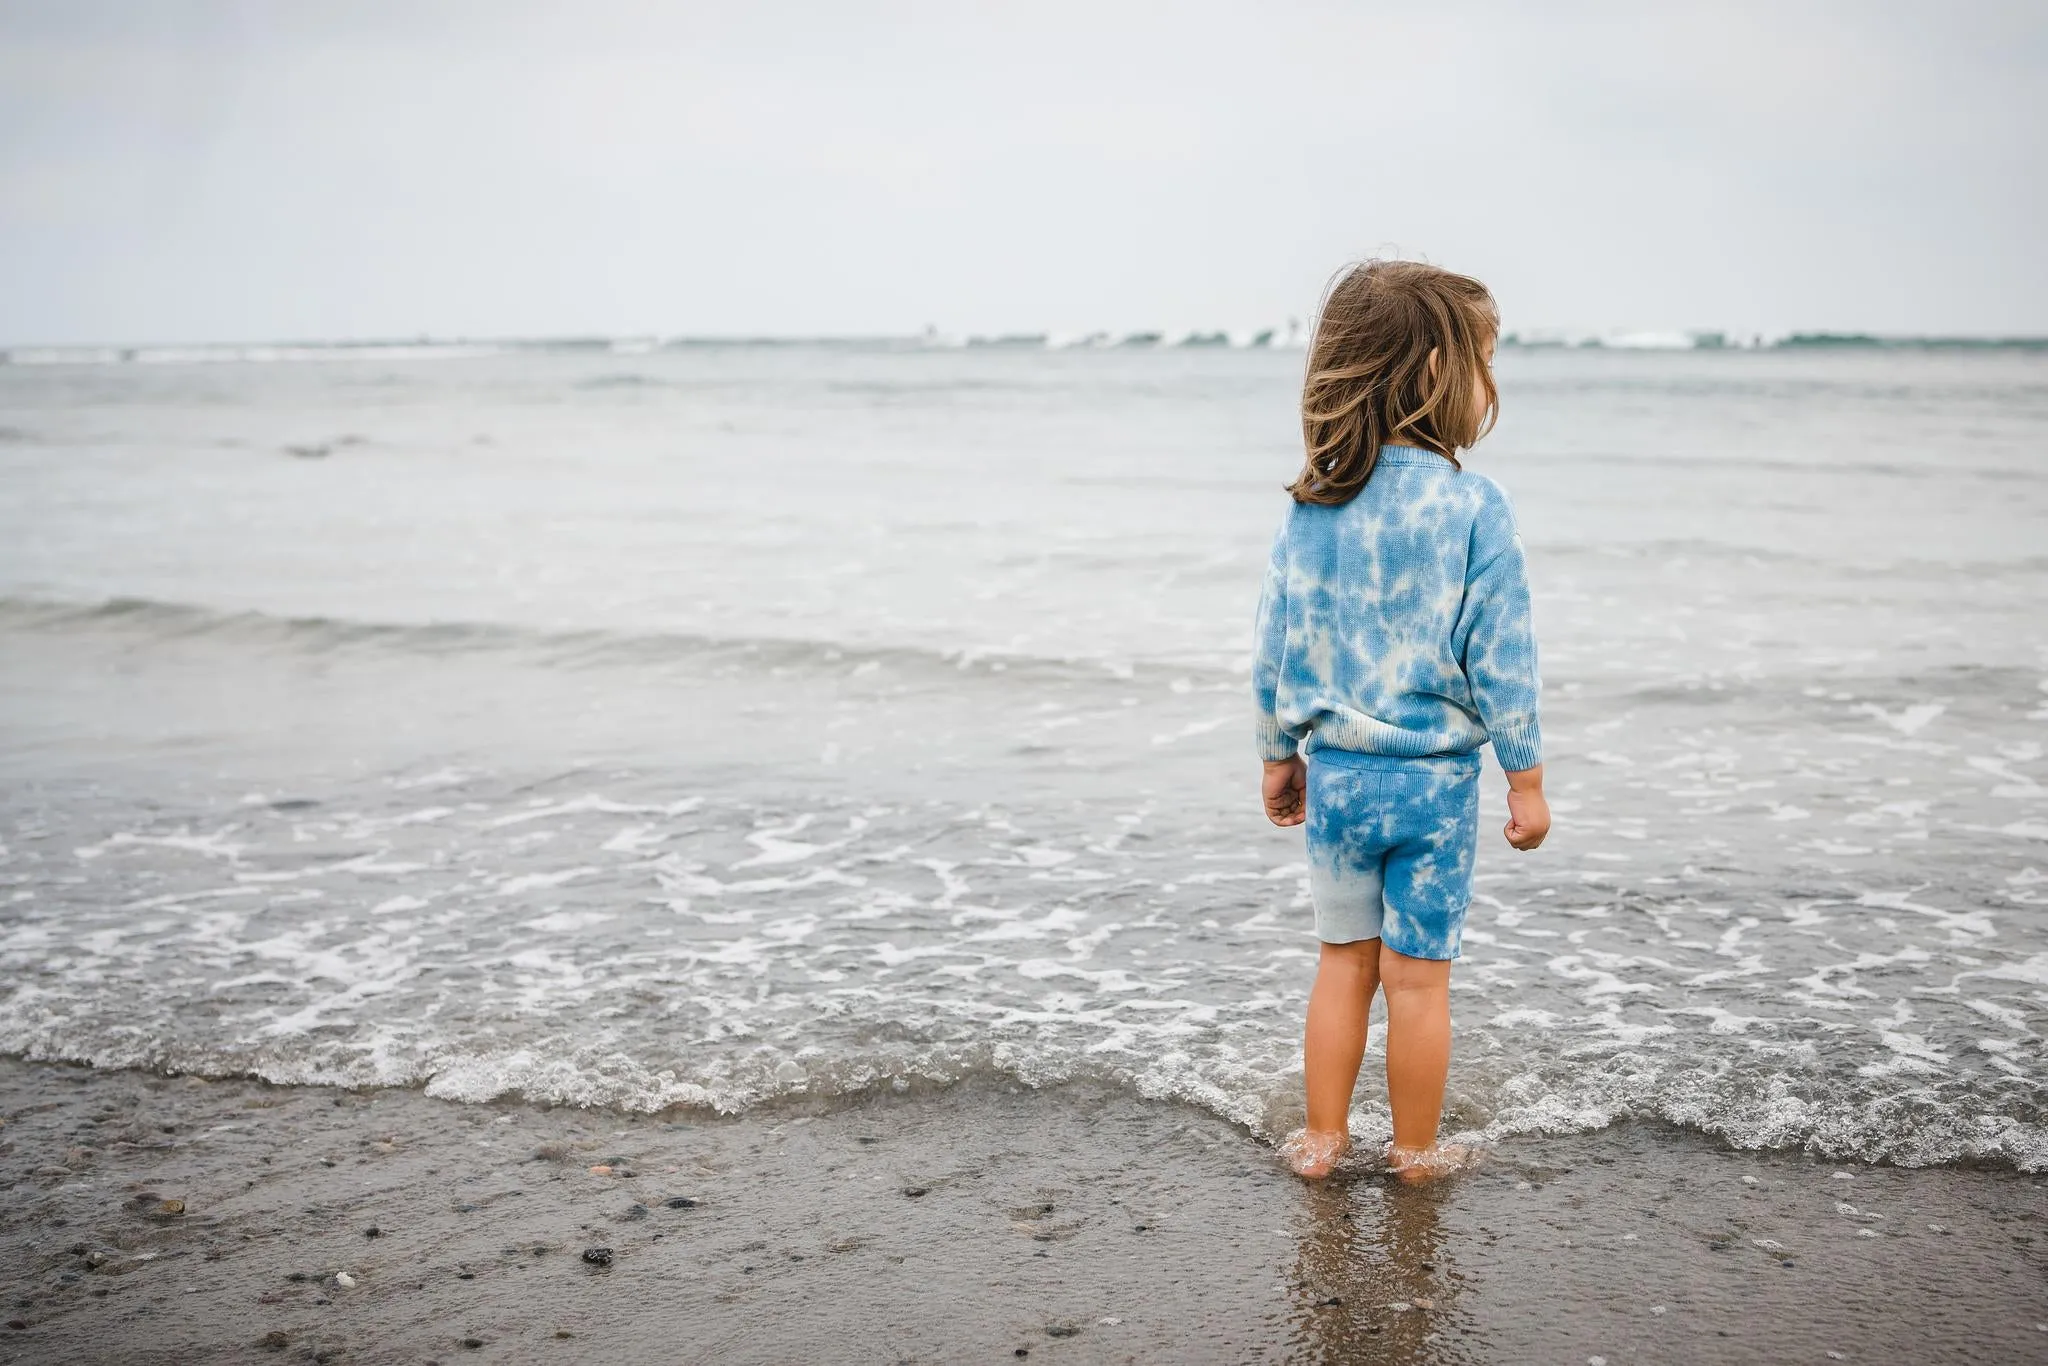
(1286, 777)
(1499, 655)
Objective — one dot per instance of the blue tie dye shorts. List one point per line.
(1391, 843)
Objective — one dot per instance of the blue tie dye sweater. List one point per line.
(1398, 623)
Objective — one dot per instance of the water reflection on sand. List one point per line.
(1374, 1277)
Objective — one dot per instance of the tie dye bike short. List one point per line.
(1391, 843)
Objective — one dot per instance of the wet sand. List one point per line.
(974, 1224)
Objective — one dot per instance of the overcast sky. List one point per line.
(173, 170)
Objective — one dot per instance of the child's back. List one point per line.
(1397, 623)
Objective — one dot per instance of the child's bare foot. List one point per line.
(1420, 1166)
(1311, 1153)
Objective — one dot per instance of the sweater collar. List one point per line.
(1411, 455)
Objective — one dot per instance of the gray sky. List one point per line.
(181, 170)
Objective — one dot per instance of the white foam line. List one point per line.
(180, 898)
(593, 803)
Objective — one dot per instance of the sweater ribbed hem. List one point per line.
(1275, 744)
(1518, 746)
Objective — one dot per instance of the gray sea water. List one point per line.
(714, 724)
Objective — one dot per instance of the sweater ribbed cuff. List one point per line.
(1518, 746)
(1275, 744)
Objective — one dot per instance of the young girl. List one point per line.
(1393, 641)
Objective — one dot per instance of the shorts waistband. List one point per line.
(1422, 763)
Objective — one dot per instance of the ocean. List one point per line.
(716, 724)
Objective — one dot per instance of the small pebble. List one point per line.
(601, 1169)
(472, 1342)
(1596, 1361)
(373, 1232)
(914, 1191)
(635, 1213)
(598, 1256)
(1109, 1320)
(1329, 1303)
(1844, 1176)
(1751, 1181)
(171, 1207)
(680, 1202)
(18, 1325)
(1658, 1308)
(1867, 1233)
(1061, 1330)
(344, 1280)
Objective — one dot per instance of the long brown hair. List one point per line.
(1396, 350)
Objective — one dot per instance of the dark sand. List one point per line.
(977, 1224)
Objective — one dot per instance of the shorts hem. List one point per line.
(1457, 952)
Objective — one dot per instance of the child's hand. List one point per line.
(1528, 812)
(1283, 788)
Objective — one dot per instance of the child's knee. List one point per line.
(1360, 958)
(1399, 973)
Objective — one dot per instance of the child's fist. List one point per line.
(1528, 819)
(1283, 789)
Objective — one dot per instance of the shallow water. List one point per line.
(709, 725)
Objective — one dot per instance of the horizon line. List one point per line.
(1292, 337)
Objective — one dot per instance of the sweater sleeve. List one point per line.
(1269, 647)
(1499, 642)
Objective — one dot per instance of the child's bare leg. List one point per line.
(1333, 1046)
(1418, 1057)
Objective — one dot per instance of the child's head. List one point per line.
(1402, 356)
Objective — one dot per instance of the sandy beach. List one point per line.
(970, 1224)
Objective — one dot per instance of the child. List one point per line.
(1393, 641)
